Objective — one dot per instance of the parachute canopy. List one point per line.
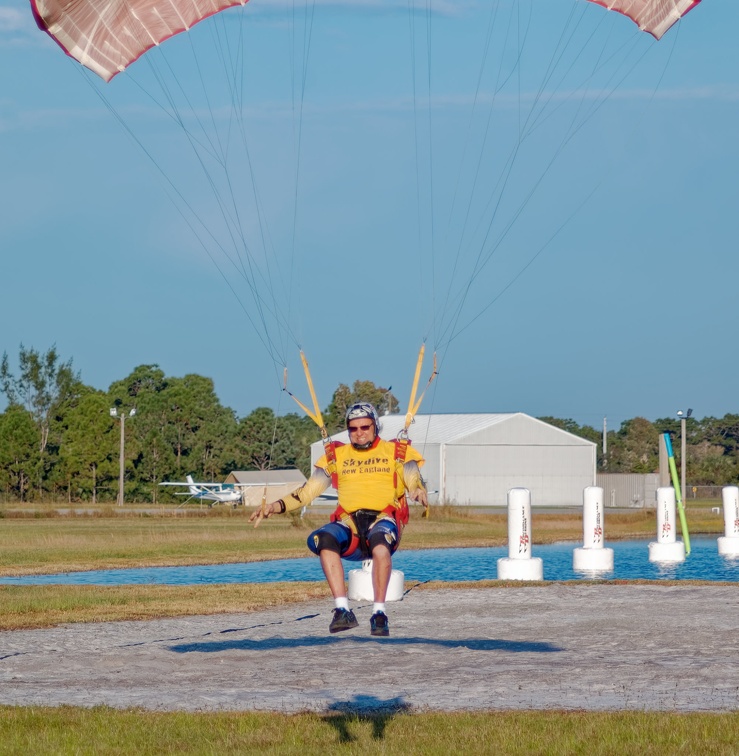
(653, 16)
(107, 37)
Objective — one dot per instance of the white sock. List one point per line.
(378, 607)
(342, 602)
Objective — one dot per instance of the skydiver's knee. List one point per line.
(383, 539)
(320, 540)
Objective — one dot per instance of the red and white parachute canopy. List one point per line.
(106, 36)
(653, 16)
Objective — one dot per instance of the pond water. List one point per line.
(631, 561)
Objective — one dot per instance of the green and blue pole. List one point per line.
(678, 493)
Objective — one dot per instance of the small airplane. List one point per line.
(218, 493)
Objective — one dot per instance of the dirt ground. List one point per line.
(559, 646)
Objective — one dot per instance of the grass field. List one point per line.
(39, 539)
(68, 730)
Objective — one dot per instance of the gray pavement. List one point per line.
(558, 646)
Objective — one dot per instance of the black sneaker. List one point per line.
(379, 624)
(344, 619)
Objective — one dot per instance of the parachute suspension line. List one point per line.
(232, 219)
(261, 335)
(494, 200)
(432, 240)
(482, 260)
(262, 330)
(569, 135)
(231, 75)
(413, 403)
(498, 189)
(273, 444)
(491, 27)
(416, 140)
(229, 221)
(308, 17)
(542, 248)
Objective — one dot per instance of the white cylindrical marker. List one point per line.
(728, 544)
(593, 556)
(520, 565)
(667, 548)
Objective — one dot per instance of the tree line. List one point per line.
(59, 440)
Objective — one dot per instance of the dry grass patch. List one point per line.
(39, 606)
(70, 544)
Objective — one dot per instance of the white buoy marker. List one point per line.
(593, 556)
(520, 565)
(666, 548)
(728, 544)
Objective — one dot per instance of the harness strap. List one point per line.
(329, 447)
(401, 450)
(346, 518)
(402, 513)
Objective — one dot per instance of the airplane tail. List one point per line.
(194, 490)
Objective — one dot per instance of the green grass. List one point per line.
(69, 730)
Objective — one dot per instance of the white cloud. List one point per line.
(14, 20)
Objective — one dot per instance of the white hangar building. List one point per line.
(475, 459)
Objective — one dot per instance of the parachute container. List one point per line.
(652, 16)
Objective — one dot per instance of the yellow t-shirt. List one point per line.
(365, 476)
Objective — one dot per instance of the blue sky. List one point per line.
(610, 282)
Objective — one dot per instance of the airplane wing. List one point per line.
(195, 483)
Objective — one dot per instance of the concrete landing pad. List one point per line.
(560, 646)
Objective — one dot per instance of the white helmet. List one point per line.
(363, 409)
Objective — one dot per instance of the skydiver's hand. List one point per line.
(421, 497)
(265, 512)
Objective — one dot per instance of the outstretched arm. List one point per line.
(301, 497)
(414, 483)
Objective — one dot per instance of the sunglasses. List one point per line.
(355, 428)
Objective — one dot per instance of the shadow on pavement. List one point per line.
(361, 708)
(271, 644)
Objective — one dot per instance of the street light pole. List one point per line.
(683, 426)
(122, 455)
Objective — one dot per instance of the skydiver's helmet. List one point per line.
(359, 410)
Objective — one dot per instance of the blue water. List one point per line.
(631, 561)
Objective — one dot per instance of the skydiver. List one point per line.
(371, 476)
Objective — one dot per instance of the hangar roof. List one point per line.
(474, 427)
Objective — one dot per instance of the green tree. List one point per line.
(261, 441)
(635, 448)
(20, 454)
(196, 418)
(145, 438)
(180, 427)
(362, 391)
(89, 447)
(46, 387)
(583, 431)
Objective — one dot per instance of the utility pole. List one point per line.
(605, 444)
(683, 423)
(122, 457)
